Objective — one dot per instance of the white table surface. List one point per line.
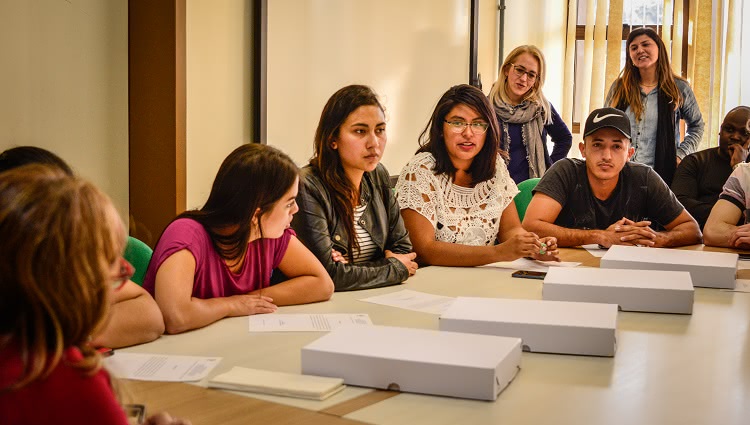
(668, 369)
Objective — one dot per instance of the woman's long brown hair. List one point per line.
(326, 161)
(627, 90)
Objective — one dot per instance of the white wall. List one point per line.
(218, 88)
(408, 52)
(541, 23)
(63, 85)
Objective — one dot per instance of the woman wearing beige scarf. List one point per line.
(526, 116)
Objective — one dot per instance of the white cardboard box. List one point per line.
(416, 360)
(543, 326)
(654, 291)
(707, 269)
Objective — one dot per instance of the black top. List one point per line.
(640, 195)
(699, 180)
(320, 229)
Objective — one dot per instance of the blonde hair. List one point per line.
(498, 93)
(58, 244)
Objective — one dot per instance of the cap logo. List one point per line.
(597, 118)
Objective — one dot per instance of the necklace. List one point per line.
(649, 85)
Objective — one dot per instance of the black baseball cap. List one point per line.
(607, 117)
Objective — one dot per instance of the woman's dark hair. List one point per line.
(252, 178)
(627, 90)
(326, 161)
(23, 155)
(432, 140)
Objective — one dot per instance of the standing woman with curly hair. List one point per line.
(655, 100)
(526, 116)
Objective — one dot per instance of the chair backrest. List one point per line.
(524, 196)
(138, 254)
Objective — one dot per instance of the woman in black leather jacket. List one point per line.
(348, 216)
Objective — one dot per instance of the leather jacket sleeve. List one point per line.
(316, 226)
(398, 237)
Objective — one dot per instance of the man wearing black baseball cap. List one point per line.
(605, 199)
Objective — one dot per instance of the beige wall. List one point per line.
(218, 88)
(64, 85)
(65, 79)
(408, 52)
(541, 23)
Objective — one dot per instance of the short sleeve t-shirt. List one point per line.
(640, 195)
(212, 276)
(736, 190)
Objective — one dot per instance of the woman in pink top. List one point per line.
(217, 261)
(60, 265)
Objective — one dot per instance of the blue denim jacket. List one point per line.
(644, 132)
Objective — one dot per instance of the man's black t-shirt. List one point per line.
(640, 195)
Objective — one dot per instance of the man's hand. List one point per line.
(740, 237)
(737, 154)
(629, 232)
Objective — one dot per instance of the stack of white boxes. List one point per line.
(476, 353)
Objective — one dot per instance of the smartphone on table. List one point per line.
(529, 275)
(136, 413)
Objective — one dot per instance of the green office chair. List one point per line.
(524, 196)
(138, 254)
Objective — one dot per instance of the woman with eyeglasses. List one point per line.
(526, 116)
(217, 261)
(349, 217)
(60, 264)
(656, 99)
(456, 195)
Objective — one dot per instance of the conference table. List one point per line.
(668, 368)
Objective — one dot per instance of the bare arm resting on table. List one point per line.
(543, 211)
(721, 228)
(134, 318)
(174, 287)
(182, 311)
(308, 280)
(515, 243)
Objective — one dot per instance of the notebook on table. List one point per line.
(278, 383)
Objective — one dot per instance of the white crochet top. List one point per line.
(463, 215)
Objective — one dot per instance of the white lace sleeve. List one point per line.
(416, 189)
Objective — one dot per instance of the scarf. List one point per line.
(531, 116)
(665, 155)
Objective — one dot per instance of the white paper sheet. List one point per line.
(413, 300)
(531, 265)
(157, 367)
(305, 322)
(741, 285)
(594, 250)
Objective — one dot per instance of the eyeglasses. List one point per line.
(520, 71)
(126, 272)
(728, 128)
(460, 126)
